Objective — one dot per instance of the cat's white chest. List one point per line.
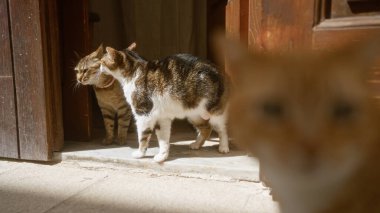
(128, 88)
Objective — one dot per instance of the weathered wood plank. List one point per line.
(8, 124)
(35, 139)
(280, 24)
(52, 64)
(244, 16)
(233, 19)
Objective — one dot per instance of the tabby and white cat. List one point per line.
(312, 121)
(179, 86)
(109, 95)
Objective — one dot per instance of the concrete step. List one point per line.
(206, 162)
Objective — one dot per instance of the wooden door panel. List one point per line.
(35, 139)
(237, 19)
(280, 24)
(342, 22)
(8, 125)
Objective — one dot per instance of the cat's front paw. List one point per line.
(138, 154)
(161, 157)
(121, 141)
(195, 145)
(224, 149)
(107, 141)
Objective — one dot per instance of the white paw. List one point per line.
(138, 154)
(161, 157)
(195, 145)
(224, 149)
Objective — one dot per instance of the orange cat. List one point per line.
(311, 120)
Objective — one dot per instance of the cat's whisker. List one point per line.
(75, 85)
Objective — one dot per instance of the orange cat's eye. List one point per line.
(343, 110)
(272, 109)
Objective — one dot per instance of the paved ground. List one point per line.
(206, 161)
(82, 186)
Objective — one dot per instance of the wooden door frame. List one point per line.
(32, 46)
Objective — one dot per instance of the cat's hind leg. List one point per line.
(219, 125)
(204, 130)
(144, 132)
(163, 129)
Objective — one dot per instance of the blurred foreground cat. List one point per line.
(179, 86)
(109, 94)
(312, 121)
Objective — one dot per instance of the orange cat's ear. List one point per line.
(233, 55)
(362, 54)
(132, 46)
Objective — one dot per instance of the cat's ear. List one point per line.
(132, 46)
(99, 52)
(362, 55)
(114, 56)
(233, 55)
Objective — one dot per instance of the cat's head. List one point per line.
(304, 114)
(87, 70)
(119, 64)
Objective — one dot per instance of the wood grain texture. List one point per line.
(52, 67)
(75, 35)
(244, 17)
(35, 139)
(233, 19)
(8, 123)
(237, 15)
(280, 24)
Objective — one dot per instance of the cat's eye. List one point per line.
(272, 109)
(342, 110)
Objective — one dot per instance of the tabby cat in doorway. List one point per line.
(179, 86)
(109, 94)
(312, 121)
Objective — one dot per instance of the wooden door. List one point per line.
(8, 120)
(30, 109)
(286, 25)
